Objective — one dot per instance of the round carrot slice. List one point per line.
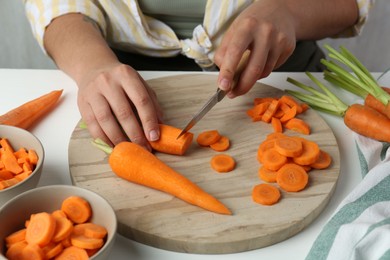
(292, 177)
(264, 146)
(207, 138)
(221, 145)
(289, 146)
(267, 175)
(73, 252)
(323, 161)
(273, 160)
(41, 229)
(310, 153)
(265, 194)
(222, 163)
(76, 209)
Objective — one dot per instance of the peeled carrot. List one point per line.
(134, 163)
(169, 143)
(222, 163)
(221, 145)
(41, 229)
(208, 137)
(292, 177)
(76, 209)
(265, 194)
(29, 113)
(271, 110)
(323, 161)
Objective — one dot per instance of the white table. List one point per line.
(54, 131)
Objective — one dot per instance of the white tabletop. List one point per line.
(54, 131)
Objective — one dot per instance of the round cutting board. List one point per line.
(163, 221)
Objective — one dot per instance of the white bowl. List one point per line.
(18, 138)
(15, 212)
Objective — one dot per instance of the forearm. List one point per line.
(315, 20)
(77, 46)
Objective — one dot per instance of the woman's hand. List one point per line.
(267, 29)
(117, 104)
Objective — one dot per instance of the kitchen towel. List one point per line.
(360, 227)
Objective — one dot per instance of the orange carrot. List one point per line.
(267, 175)
(33, 251)
(291, 102)
(258, 110)
(134, 163)
(169, 143)
(289, 146)
(310, 153)
(292, 177)
(10, 162)
(15, 251)
(41, 229)
(271, 110)
(77, 209)
(5, 175)
(222, 163)
(276, 125)
(207, 138)
(289, 114)
(323, 161)
(265, 194)
(15, 237)
(264, 146)
(273, 160)
(73, 252)
(63, 229)
(221, 145)
(93, 230)
(29, 113)
(84, 242)
(298, 125)
(52, 249)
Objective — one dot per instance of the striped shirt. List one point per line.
(127, 28)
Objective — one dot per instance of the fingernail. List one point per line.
(153, 135)
(224, 84)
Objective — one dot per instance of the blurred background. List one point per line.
(18, 48)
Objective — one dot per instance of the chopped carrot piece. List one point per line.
(221, 145)
(41, 229)
(33, 251)
(5, 175)
(63, 229)
(84, 242)
(310, 153)
(14, 252)
(32, 156)
(76, 209)
(73, 252)
(15, 237)
(304, 107)
(289, 114)
(289, 146)
(265, 194)
(264, 146)
(273, 160)
(169, 143)
(5, 145)
(276, 125)
(58, 214)
(93, 230)
(222, 163)
(52, 249)
(292, 177)
(258, 110)
(207, 138)
(10, 162)
(298, 125)
(257, 101)
(323, 161)
(291, 102)
(267, 175)
(271, 110)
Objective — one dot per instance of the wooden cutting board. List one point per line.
(160, 220)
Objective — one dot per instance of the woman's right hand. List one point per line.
(117, 104)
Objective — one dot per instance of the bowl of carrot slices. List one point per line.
(21, 161)
(57, 222)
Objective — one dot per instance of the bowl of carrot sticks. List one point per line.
(21, 161)
(57, 222)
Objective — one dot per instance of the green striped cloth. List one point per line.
(360, 227)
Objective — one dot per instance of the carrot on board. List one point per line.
(323, 161)
(73, 252)
(292, 177)
(258, 110)
(41, 229)
(289, 146)
(277, 125)
(272, 159)
(264, 146)
(169, 143)
(291, 102)
(77, 209)
(298, 125)
(289, 114)
(310, 153)
(265, 194)
(271, 110)
(207, 138)
(221, 145)
(222, 163)
(135, 164)
(266, 174)
(29, 113)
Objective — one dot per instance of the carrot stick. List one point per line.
(265, 194)
(134, 163)
(169, 143)
(291, 102)
(29, 113)
(277, 125)
(271, 110)
(207, 138)
(222, 163)
(41, 229)
(289, 114)
(221, 145)
(76, 209)
(292, 177)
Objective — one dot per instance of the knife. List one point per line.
(217, 97)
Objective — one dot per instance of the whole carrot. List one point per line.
(29, 113)
(134, 163)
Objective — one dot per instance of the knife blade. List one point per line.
(217, 97)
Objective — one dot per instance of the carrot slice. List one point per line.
(291, 102)
(323, 161)
(257, 111)
(33, 252)
(93, 230)
(277, 125)
(76, 209)
(289, 114)
(298, 125)
(63, 229)
(273, 160)
(264, 146)
(41, 229)
(15, 237)
(207, 138)
(33, 156)
(222, 163)
(58, 214)
(271, 110)
(10, 161)
(52, 249)
(310, 153)
(221, 145)
(169, 143)
(84, 242)
(265, 194)
(292, 177)
(5, 145)
(15, 251)
(267, 175)
(289, 146)
(261, 100)
(5, 175)
(73, 252)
